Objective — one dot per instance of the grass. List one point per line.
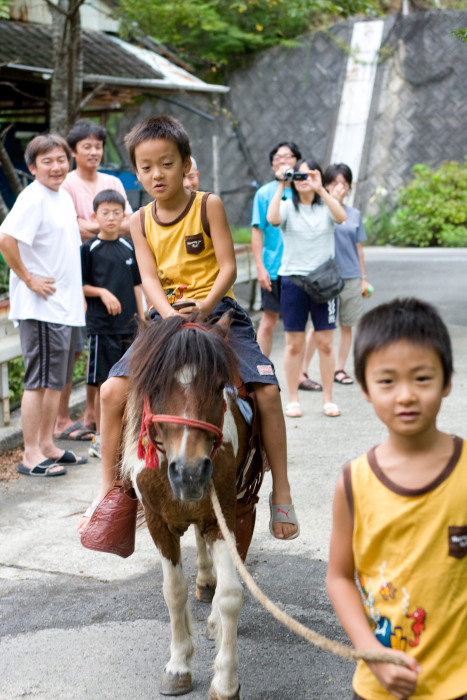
(241, 235)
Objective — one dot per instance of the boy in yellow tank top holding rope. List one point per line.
(185, 252)
(400, 515)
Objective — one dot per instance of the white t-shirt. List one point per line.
(45, 225)
(308, 237)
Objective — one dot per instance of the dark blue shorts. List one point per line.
(271, 300)
(254, 366)
(297, 306)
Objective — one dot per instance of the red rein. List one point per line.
(148, 447)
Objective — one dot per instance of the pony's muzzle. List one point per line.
(190, 482)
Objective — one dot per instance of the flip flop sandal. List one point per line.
(341, 377)
(331, 410)
(42, 469)
(78, 427)
(282, 514)
(69, 457)
(309, 385)
(293, 410)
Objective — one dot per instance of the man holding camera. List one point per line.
(267, 245)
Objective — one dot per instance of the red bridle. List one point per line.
(148, 446)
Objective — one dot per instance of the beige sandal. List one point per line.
(293, 410)
(331, 410)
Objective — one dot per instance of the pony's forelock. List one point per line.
(165, 347)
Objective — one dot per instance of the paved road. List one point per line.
(78, 625)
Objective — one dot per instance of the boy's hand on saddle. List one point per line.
(189, 306)
(401, 681)
(111, 302)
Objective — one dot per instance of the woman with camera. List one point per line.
(307, 223)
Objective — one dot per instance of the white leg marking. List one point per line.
(229, 601)
(176, 596)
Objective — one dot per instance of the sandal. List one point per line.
(309, 385)
(69, 457)
(48, 467)
(331, 410)
(293, 410)
(282, 514)
(341, 377)
(83, 434)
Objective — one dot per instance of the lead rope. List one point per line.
(291, 623)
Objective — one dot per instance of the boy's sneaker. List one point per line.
(95, 448)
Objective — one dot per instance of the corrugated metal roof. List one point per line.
(170, 71)
(25, 46)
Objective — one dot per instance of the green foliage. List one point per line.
(15, 379)
(5, 9)
(4, 278)
(241, 235)
(212, 32)
(431, 211)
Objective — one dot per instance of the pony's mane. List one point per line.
(164, 347)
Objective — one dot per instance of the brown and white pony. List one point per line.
(183, 431)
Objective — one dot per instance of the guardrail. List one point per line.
(10, 347)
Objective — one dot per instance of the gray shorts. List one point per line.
(351, 303)
(81, 338)
(49, 354)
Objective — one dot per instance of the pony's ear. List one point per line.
(226, 319)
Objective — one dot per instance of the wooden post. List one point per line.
(215, 165)
(4, 395)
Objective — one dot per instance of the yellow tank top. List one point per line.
(413, 572)
(185, 257)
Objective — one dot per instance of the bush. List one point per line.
(241, 235)
(432, 209)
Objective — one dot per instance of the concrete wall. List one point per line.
(418, 110)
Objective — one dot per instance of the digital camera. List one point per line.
(292, 174)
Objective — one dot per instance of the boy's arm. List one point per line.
(139, 300)
(109, 300)
(257, 245)
(347, 602)
(147, 266)
(125, 226)
(221, 237)
(44, 286)
(87, 229)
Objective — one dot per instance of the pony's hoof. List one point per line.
(205, 593)
(215, 696)
(176, 684)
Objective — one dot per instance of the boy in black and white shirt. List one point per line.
(112, 287)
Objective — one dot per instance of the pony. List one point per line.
(184, 431)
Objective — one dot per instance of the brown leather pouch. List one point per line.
(112, 527)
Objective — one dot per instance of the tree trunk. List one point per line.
(9, 170)
(67, 78)
(3, 209)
